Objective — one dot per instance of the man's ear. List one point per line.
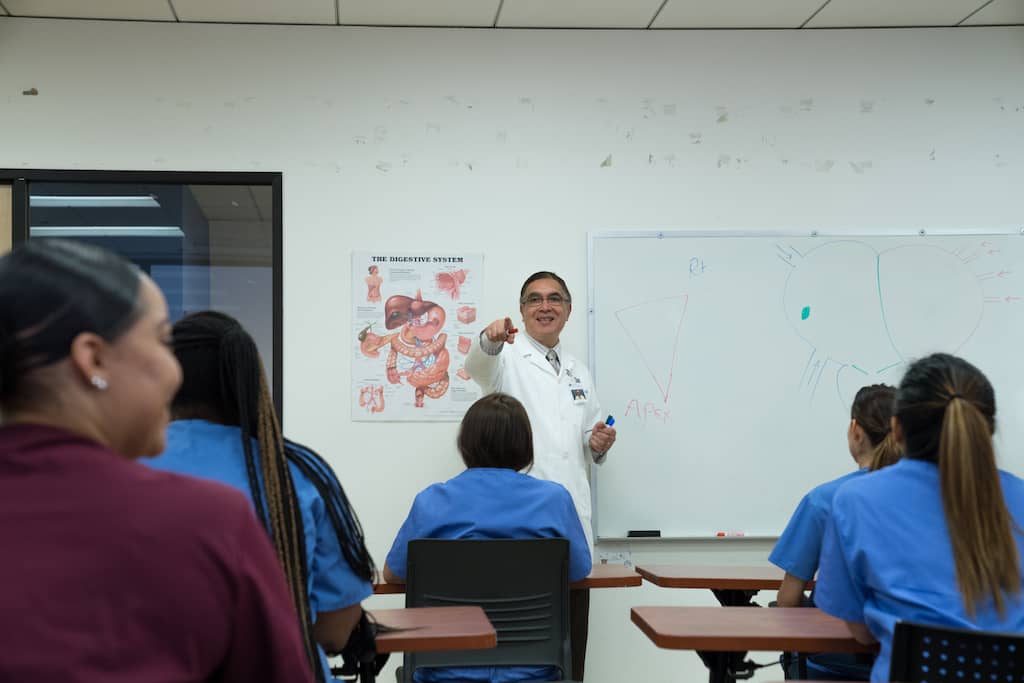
(88, 353)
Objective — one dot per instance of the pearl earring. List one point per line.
(99, 382)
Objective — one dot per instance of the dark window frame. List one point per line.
(20, 179)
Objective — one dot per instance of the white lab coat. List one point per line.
(561, 424)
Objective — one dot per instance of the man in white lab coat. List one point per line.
(558, 393)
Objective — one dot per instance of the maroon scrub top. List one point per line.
(114, 572)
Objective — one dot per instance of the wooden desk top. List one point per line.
(764, 577)
(739, 629)
(602, 576)
(432, 629)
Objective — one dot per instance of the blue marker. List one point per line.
(610, 421)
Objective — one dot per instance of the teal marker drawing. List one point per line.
(806, 313)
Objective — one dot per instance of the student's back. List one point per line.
(491, 499)
(109, 577)
(936, 538)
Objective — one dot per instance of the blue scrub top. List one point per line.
(213, 451)
(799, 545)
(887, 556)
(493, 503)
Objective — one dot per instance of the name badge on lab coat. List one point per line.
(576, 390)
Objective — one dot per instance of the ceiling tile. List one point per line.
(577, 13)
(735, 13)
(257, 11)
(419, 12)
(839, 13)
(153, 10)
(999, 12)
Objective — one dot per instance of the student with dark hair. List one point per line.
(225, 428)
(569, 432)
(493, 499)
(871, 445)
(936, 538)
(108, 577)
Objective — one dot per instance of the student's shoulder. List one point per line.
(1013, 488)
(184, 500)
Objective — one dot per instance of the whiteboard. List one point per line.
(730, 360)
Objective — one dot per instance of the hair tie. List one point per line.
(953, 396)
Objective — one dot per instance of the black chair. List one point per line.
(936, 654)
(522, 585)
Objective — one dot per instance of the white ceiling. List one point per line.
(657, 14)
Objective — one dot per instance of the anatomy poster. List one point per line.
(413, 320)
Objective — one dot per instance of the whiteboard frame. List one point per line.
(593, 236)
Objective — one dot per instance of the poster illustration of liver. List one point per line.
(413, 320)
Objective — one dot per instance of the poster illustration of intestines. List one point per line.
(414, 317)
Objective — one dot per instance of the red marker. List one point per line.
(513, 330)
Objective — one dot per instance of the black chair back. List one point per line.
(937, 654)
(522, 585)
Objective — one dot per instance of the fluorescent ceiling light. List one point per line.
(105, 231)
(97, 201)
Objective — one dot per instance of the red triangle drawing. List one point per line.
(654, 330)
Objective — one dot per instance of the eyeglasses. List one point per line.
(535, 300)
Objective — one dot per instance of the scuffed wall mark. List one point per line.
(469, 165)
(453, 99)
(383, 166)
(867, 106)
(999, 161)
(768, 140)
(629, 135)
(647, 107)
(860, 166)
(31, 92)
(807, 104)
(784, 162)
(650, 159)
(250, 100)
(607, 163)
(528, 101)
(359, 139)
(786, 109)
(522, 163)
(433, 127)
(183, 104)
(721, 115)
(931, 155)
(501, 136)
(668, 109)
(696, 138)
(230, 105)
(929, 101)
(824, 165)
(669, 159)
(159, 160)
(380, 134)
(723, 160)
(602, 100)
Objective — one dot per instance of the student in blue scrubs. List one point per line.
(493, 499)
(872, 447)
(936, 538)
(225, 429)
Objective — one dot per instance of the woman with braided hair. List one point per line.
(107, 577)
(225, 428)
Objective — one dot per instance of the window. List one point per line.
(209, 240)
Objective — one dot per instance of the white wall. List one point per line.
(492, 142)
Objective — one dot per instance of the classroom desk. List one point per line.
(601, 576)
(733, 586)
(721, 632)
(430, 629)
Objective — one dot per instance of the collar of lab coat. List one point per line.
(537, 353)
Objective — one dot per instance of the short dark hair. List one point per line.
(496, 432)
(546, 275)
(50, 292)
